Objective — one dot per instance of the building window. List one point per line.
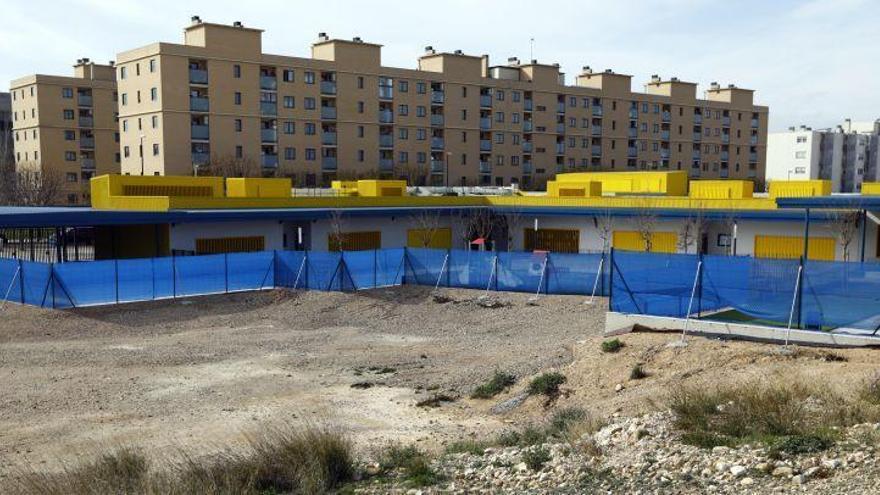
(123, 72)
(499, 116)
(499, 138)
(360, 107)
(360, 82)
(421, 88)
(154, 94)
(421, 111)
(68, 114)
(125, 126)
(289, 102)
(237, 98)
(403, 110)
(403, 133)
(403, 86)
(403, 157)
(71, 177)
(290, 153)
(360, 131)
(360, 155)
(287, 75)
(68, 135)
(289, 127)
(421, 157)
(155, 149)
(421, 134)
(310, 154)
(237, 125)
(310, 128)
(310, 79)
(154, 121)
(68, 155)
(499, 95)
(239, 151)
(236, 71)
(125, 98)
(67, 92)
(309, 103)
(800, 155)
(153, 65)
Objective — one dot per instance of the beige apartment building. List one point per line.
(455, 120)
(67, 126)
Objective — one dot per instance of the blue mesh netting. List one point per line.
(195, 275)
(361, 267)
(470, 269)
(520, 272)
(841, 295)
(290, 271)
(145, 279)
(84, 283)
(10, 286)
(36, 276)
(576, 274)
(758, 287)
(652, 283)
(423, 266)
(250, 271)
(390, 266)
(325, 271)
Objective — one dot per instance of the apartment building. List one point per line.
(846, 155)
(6, 156)
(67, 126)
(455, 120)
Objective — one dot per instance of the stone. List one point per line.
(831, 463)
(737, 471)
(720, 449)
(746, 481)
(798, 480)
(721, 466)
(783, 471)
(763, 467)
(811, 472)
(521, 467)
(618, 387)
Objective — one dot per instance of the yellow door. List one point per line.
(438, 239)
(630, 240)
(355, 241)
(792, 247)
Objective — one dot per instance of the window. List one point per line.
(310, 79)
(403, 86)
(800, 155)
(67, 92)
(403, 110)
(499, 160)
(360, 82)
(287, 75)
(68, 136)
(421, 88)
(360, 107)
(499, 116)
(237, 125)
(515, 96)
(421, 134)
(289, 127)
(310, 128)
(153, 65)
(123, 72)
(154, 94)
(464, 91)
(237, 98)
(289, 102)
(421, 157)
(309, 103)
(421, 111)
(154, 121)
(802, 139)
(125, 126)
(239, 151)
(360, 131)
(499, 95)
(70, 156)
(572, 101)
(403, 157)
(290, 153)
(125, 98)
(403, 133)
(71, 177)
(310, 154)
(68, 114)
(360, 155)
(137, 69)
(464, 114)
(499, 138)
(155, 149)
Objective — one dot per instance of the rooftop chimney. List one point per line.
(196, 19)
(430, 50)
(237, 24)
(323, 37)
(459, 52)
(357, 39)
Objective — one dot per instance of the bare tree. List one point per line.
(646, 224)
(513, 219)
(691, 232)
(729, 228)
(230, 166)
(337, 230)
(415, 175)
(29, 186)
(427, 223)
(479, 223)
(7, 167)
(845, 225)
(605, 228)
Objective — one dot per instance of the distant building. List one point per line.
(6, 155)
(846, 155)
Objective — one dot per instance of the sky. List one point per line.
(813, 62)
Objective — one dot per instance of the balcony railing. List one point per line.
(664, 153)
(328, 138)
(328, 87)
(268, 135)
(666, 117)
(437, 97)
(485, 145)
(268, 108)
(632, 152)
(200, 132)
(87, 142)
(725, 121)
(386, 116)
(436, 120)
(633, 114)
(725, 155)
(86, 122)
(596, 130)
(437, 166)
(725, 138)
(753, 140)
(664, 135)
(596, 150)
(328, 163)
(696, 155)
(328, 113)
(198, 103)
(386, 140)
(632, 132)
(527, 167)
(198, 76)
(268, 83)
(386, 92)
(560, 107)
(528, 105)
(560, 128)
(527, 126)
(597, 110)
(486, 101)
(386, 164)
(754, 123)
(527, 146)
(200, 158)
(84, 100)
(725, 173)
(269, 160)
(485, 167)
(437, 143)
(698, 118)
(698, 136)
(560, 148)
(485, 123)
(752, 174)
(87, 164)
(753, 157)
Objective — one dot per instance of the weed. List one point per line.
(547, 384)
(435, 400)
(612, 345)
(412, 463)
(802, 444)
(499, 382)
(467, 446)
(565, 418)
(536, 458)
(637, 372)
(870, 390)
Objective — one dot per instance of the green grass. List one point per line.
(535, 458)
(499, 382)
(566, 424)
(546, 384)
(870, 390)
(612, 345)
(412, 463)
(637, 372)
(474, 447)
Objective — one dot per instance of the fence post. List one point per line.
(800, 294)
(700, 294)
(375, 268)
(21, 279)
(611, 279)
(226, 273)
(116, 278)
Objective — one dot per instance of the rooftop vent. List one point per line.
(430, 49)
(534, 61)
(792, 128)
(674, 79)
(459, 52)
(609, 71)
(556, 64)
(112, 63)
(196, 19)
(513, 60)
(587, 69)
(731, 86)
(714, 86)
(323, 37)
(237, 24)
(85, 60)
(655, 78)
(357, 39)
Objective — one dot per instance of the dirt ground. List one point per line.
(202, 372)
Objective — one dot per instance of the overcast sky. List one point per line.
(812, 62)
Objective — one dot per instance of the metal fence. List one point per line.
(48, 245)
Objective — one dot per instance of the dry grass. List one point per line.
(278, 460)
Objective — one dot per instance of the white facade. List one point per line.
(847, 155)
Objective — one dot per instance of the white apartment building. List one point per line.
(846, 155)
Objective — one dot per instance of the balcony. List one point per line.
(486, 101)
(437, 143)
(436, 120)
(753, 157)
(84, 100)
(664, 135)
(386, 165)
(725, 138)
(269, 135)
(754, 123)
(560, 128)
(328, 138)
(386, 116)
(386, 92)
(632, 132)
(632, 152)
(198, 103)
(328, 113)
(200, 158)
(386, 141)
(596, 130)
(328, 87)
(437, 166)
(596, 150)
(664, 153)
(597, 110)
(485, 145)
(725, 121)
(87, 142)
(268, 108)
(528, 105)
(485, 123)
(753, 140)
(725, 173)
(86, 122)
(87, 164)
(666, 117)
(560, 107)
(725, 155)
(560, 148)
(698, 136)
(268, 83)
(696, 155)
(527, 126)
(198, 76)
(437, 97)
(527, 146)
(200, 132)
(752, 174)
(527, 167)
(328, 163)
(269, 160)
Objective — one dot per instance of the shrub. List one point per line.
(467, 446)
(412, 462)
(637, 372)
(499, 382)
(870, 390)
(612, 345)
(535, 458)
(546, 384)
(123, 470)
(565, 418)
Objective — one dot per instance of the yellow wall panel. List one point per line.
(630, 240)
(792, 247)
(439, 238)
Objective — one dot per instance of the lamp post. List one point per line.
(141, 147)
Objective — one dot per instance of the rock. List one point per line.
(763, 467)
(618, 387)
(737, 471)
(783, 471)
(798, 480)
(831, 463)
(720, 449)
(746, 481)
(521, 467)
(721, 466)
(811, 472)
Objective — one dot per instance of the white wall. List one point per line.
(184, 235)
(782, 148)
(394, 230)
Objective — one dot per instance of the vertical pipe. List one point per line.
(864, 233)
(611, 280)
(21, 279)
(116, 278)
(226, 273)
(800, 292)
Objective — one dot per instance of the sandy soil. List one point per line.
(202, 372)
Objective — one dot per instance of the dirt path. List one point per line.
(200, 373)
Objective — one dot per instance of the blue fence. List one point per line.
(814, 294)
